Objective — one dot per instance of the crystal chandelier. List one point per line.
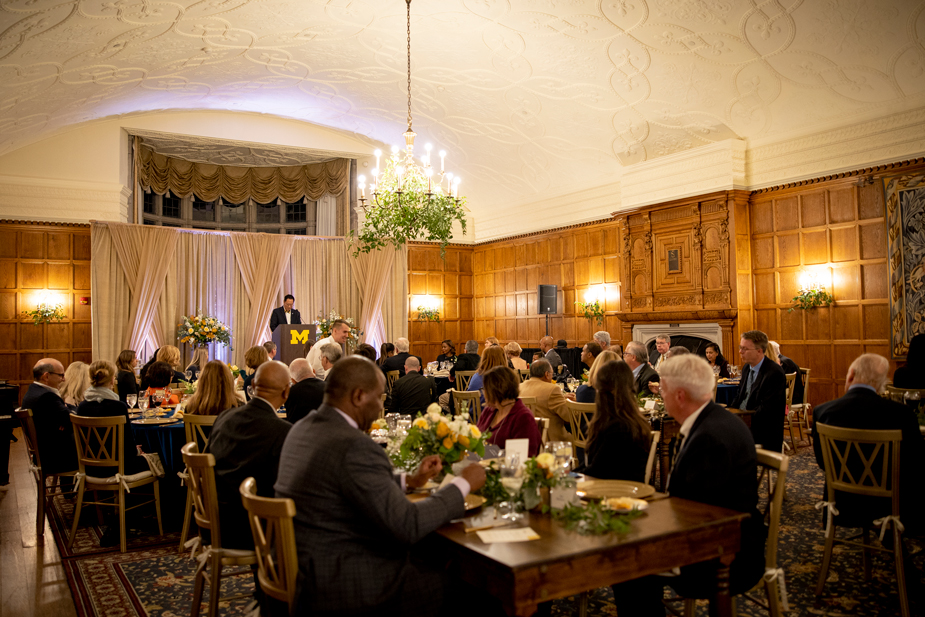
(410, 198)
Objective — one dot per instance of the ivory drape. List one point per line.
(373, 273)
(145, 255)
(262, 259)
(238, 184)
(322, 280)
(110, 297)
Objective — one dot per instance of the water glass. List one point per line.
(562, 451)
(404, 424)
(391, 420)
(143, 404)
(131, 399)
(512, 480)
(250, 391)
(188, 374)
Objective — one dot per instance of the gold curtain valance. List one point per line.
(238, 184)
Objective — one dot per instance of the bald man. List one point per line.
(52, 417)
(413, 392)
(306, 393)
(247, 441)
(354, 526)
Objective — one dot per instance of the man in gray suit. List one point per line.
(354, 526)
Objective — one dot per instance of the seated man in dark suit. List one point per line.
(862, 408)
(285, 314)
(413, 392)
(306, 392)
(468, 361)
(762, 389)
(660, 353)
(246, 441)
(52, 417)
(715, 464)
(638, 360)
(550, 354)
(397, 362)
(354, 526)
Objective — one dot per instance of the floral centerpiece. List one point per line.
(235, 371)
(324, 325)
(450, 438)
(539, 474)
(200, 330)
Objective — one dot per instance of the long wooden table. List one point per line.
(673, 532)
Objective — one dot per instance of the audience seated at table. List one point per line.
(329, 353)
(447, 352)
(126, 383)
(638, 360)
(513, 351)
(491, 357)
(912, 375)
(200, 358)
(715, 464)
(386, 351)
(246, 442)
(585, 392)
(590, 351)
(365, 350)
(354, 526)
(617, 348)
(550, 401)
(677, 350)
(492, 341)
(862, 407)
(468, 361)
(52, 417)
(270, 346)
(789, 366)
(253, 358)
(716, 360)
(340, 331)
(76, 382)
(306, 393)
(659, 354)
(158, 377)
(550, 354)
(143, 374)
(214, 391)
(397, 362)
(505, 415)
(762, 389)
(171, 355)
(618, 436)
(412, 393)
(603, 338)
(101, 401)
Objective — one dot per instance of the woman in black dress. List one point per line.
(449, 352)
(125, 377)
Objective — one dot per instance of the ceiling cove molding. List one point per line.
(896, 167)
(896, 137)
(63, 201)
(715, 167)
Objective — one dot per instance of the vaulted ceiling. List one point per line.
(529, 97)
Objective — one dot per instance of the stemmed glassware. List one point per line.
(404, 424)
(250, 392)
(512, 480)
(562, 451)
(131, 399)
(143, 406)
(733, 371)
(188, 374)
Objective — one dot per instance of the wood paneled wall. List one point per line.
(36, 258)
(837, 230)
(449, 283)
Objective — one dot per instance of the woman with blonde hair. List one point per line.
(171, 355)
(513, 351)
(253, 357)
(214, 392)
(200, 359)
(76, 382)
(586, 392)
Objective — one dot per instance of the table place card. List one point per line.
(650, 404)
(521, 534)
(520, 447)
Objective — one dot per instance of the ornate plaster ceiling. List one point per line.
(530, 97)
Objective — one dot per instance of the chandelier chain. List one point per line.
(408, 2)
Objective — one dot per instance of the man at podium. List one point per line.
(285, 314)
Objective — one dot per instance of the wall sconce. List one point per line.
(812, 292)
(427, 307)
(47, 309)
(591, 308)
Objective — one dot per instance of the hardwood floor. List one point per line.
(32, 579)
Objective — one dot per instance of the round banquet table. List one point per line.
(166, 440)
(726, 393)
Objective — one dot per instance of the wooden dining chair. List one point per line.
(650, 461)
(100, 445)
(274, 543)
(201, 471)
(198, 429)
(579, 417)
(863, 462)
(391, 378)
(530, 402)
(462, 380)
(524, 374)
(471, 401)
(801, 413)
(542, 425)
(44, 492)
(791, 380)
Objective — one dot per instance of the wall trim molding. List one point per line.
(886, 167)
(25, 223)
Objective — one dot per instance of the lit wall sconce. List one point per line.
(812, 292)
(48, 307)
(591, 308)
(427, 306)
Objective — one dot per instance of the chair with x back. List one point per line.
(470, 402)
(791, 381)
(580, 415)
(198, 429)
(462, 379)
(274, 543)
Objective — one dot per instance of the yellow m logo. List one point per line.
(299, 337)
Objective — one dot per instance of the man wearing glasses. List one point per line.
(763, 389)
(52, 417)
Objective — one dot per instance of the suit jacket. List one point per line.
(550, 403)
(554, 359)
(246, 441)
(354, 526)
(646, 374)
(53, 429)
(397, 363)
(585, 394)
(413, 393)
(465, 362)
(717, 465)
(861, 408)
(767, 399)
(304, 397)
(790, 366)
(653, 357)
(279, 317)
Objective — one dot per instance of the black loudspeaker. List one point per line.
(546, 299)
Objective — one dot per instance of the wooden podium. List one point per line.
(290, 340)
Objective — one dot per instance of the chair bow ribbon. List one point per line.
(772, 574)
(252, 609)
(885, 521)
(121, 480)
(194, 544)
(183, 477)
(833, 512)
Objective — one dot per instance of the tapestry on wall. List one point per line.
(905, 207)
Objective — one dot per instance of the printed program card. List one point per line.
(650, 403)
(520, 447)
(521, 534)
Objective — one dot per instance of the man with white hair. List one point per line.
(643, 374)
(306, 393)
(340, 332)
(862, 407)
(413, 392)
(715, 463)
(329, 354)
(602, 337)
(397, 362)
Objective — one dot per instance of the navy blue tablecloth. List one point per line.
(726, 393)
(166, 440)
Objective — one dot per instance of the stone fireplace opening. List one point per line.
(694, 336)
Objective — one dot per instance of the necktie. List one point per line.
(677, 450)
(748, 387)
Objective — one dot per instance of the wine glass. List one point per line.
(512, 480)
(733, 371)
(912, 399)
(143, 406)
(131, 399)
(189, 375)
(250, 391)
(562, 451)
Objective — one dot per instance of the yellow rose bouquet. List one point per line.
(201, 330)
(450, 438)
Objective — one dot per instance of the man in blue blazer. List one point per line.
(715, 464)
(354, 526)
(762, 389)
(285, 314)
